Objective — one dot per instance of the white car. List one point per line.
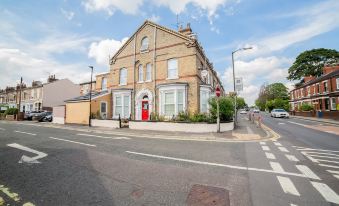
(256, 110)
(243, 112)
(279, 113)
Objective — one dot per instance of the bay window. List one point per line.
(172, 100)
(121, 104)
(337, 81)
(333, 104)
(204, 97)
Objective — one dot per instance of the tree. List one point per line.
(226, 108)
(311, 62)
(277, 90)
(241, 103)
(271, 92)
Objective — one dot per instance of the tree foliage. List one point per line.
(273, 96)
(311, 62)
(241, 103)
(226, 108)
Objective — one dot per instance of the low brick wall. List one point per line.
(10, 117)
(325, 114)
(180, 127)
(105, 123)
(331, 115)
(305, 114)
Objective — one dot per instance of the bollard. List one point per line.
(253, 118)
(259, 121)
(249, 116)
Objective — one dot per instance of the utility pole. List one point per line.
(90, 97)
(17, 116)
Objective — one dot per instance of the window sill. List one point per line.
(144, 51)
(122, 84)
(172, 78)
(148, 81)
(140, 82)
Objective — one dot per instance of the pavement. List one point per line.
(55, 166)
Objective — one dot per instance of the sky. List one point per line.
(40, 38)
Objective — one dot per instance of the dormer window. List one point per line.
(144, 44)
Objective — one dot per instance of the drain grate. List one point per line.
(202, 195)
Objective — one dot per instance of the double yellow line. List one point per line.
(12, 195)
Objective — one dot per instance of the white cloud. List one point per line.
(255, 72)
(110, 6)
(154, 18)
(68, 14)
(101, 50)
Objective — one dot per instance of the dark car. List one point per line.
(30, 115)
(45, 117)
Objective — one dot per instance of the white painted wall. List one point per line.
(105, 123)
(180, 127)
(58, 120)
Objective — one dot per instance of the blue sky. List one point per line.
(63, 37)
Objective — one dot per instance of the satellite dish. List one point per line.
(204, 73)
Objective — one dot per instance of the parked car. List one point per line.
(256, 110)
(45, 117)
(243, 111)
(29, 115)
(279, 113)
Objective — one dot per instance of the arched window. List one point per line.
(141, 73)
(144, 44)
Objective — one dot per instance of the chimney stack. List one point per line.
(186, 31)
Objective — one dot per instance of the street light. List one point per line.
(90, 97)
(235, 94)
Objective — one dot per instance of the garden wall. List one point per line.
(105, 123)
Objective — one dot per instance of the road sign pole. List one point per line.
(217, 93)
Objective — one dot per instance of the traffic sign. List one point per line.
(217, 91)
(238, 84)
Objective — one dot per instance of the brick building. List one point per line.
(321, 92)
(160, 70)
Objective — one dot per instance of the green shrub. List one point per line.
(182, 116)
(11, 111)
(306, 107)
(226, 108)
(156, 117)
(199, 117)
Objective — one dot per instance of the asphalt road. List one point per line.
(69, 167)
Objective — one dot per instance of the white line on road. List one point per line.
(333, 171)
(66, 140)
(277, 144)
(283, 149)
(297, 123)
(270, 156)
(288, 186)
(325, 165)
(281, 123)
(336, 176)
(291, 158)
(321, 153)
(322, 156)
(307, 172)
(105, 137)
(263, 143)
(321, 160)
(2, 129)
(265, 148)
(323, 150)
(326, 192)
(276, 167)
(216, 164)
(309, 157)
(25, 133)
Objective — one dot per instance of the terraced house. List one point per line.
(160, 70)
(321, 92)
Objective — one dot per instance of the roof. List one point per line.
(87, 82)
(319, 79)
(86, 96)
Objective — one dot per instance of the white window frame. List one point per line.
(337, 81)
(329, 106)
(331, 103)
(105, 109)
(176, 75)
(121, 94)
(103, 86)
(144, 46)
(175, 89)
(140, 74)
(325, 82)
(148, 72)
(120, 77)
(208, 91)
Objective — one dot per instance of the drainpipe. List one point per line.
(154, 69)
(134, 68)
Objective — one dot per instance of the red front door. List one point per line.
(144, 110)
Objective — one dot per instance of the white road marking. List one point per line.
(25, 158)
(336, 176)
(322, 153)
(332, 132)
(332, 166)
(277, 144)
(2, 129)
(323, 150)
(270, 156)
(307, 172)
(265, 148)
(105, 137)
(309, 157)
(291, 158)
(322, 156)
(321, 160)
(288, 186)
(333, 171)
(297, 123)
(263, 143)
(276, 167)
(281, 123)
(283, 149)
(25, 133)
(66, 140)
(216, 164)
(326, 192)
(293, 204)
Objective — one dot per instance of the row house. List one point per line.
(85, 87)
(157, 70)
(39, 96)
(321, 92)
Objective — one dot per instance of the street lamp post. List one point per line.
(235, 94)
(17, 116)
(90, 97)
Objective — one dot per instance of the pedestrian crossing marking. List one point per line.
(326, 192)
(288, 186)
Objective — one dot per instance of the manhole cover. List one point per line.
(202, 195)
